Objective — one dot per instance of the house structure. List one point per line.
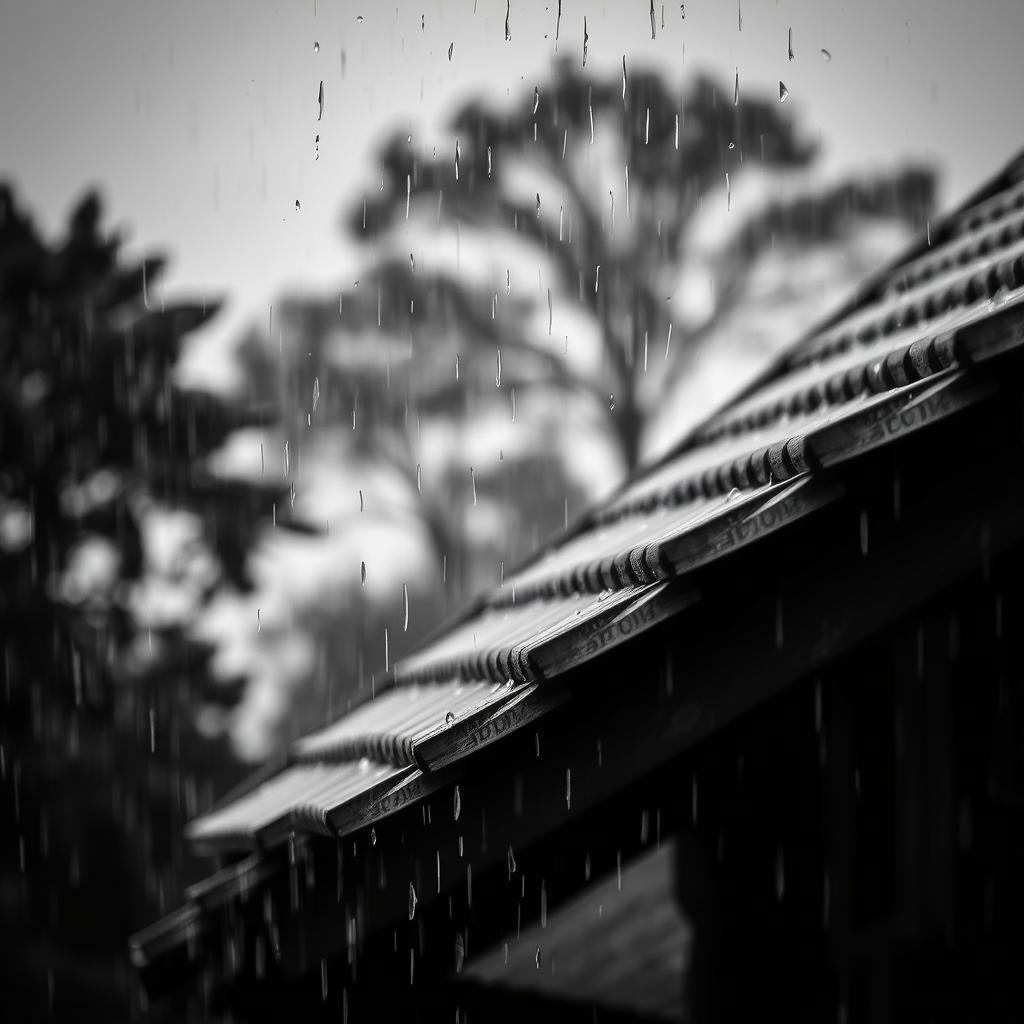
(747, 742)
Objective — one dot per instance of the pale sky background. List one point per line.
(198, 120)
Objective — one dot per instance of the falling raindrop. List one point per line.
(320, 101)
(586, 41)
(316, 47)
(412, 901)
(536, 959)
(783, 92)
(790, 46)
(497, 375)
(298, 205)
(457, 155)
(568, 787)
(543, 904)
(472, 480)
(611, 403)
(405, 607)
(623, 79)
(780, 875)
(538, 206)
(457, 803)
(359, 19)
(451, 49)
(510, 857)
(536, 99)
(508, 30)
(653, 22)
(449, 718)
(826, 55)
(373, 837)
(736, 91)
(864, 533)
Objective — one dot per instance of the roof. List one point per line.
(622, 944)
(915, 347)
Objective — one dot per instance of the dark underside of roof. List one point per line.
(877, 465)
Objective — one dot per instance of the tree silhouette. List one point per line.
(602, 181)
(100, 762)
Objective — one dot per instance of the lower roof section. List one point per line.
(621, 945)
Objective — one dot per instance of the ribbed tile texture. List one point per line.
(301, 793)
(388, 727)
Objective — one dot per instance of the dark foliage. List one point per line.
(100, 764)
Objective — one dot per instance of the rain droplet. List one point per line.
(536, 959)
(412, 901)
(611, 403)
(508, 30)
(790, 47)
(472, 480)
(826, 55)
(538, 206)
(405, 607)
(359, 19)
(568, 787)
(320, 101)
(457, 800)
(298, 205)
(373, 837)
(451, 49)
(536, 99)
(362, 572)
(497, 375)
(736, 91)
(457, 156)
(783, 92)
(316, 47)
(449, 718)
(586, 41)
(511, 858)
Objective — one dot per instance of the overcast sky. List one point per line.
(198, 120)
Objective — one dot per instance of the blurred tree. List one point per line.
(102, 575)
(596, 186)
